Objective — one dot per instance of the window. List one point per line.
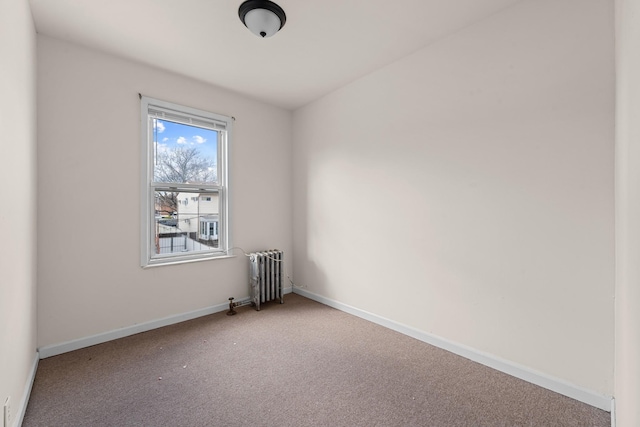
(185, 156)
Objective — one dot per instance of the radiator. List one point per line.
(265, 274)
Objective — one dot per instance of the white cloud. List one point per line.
(165, 139)
(159, 126)
(198, 139)
(181, 140)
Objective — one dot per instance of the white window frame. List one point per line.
(150, 108)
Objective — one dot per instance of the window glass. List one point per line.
(185, 185)
(184, 153)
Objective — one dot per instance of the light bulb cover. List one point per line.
(264, 18)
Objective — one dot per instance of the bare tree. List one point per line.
(182, 165)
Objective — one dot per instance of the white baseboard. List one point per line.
(613, 412)
(524, 373)
(22, 408)
(56, 349)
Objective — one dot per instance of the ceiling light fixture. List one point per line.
(263, 17)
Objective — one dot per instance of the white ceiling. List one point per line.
(324, 45)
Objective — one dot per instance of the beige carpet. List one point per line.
(296, 364)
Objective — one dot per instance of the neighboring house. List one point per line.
(198, 213)
(191, 226)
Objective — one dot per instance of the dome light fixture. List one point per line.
(263, 17)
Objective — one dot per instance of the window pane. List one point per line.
(183, 225)
(184, 153)
(184, 186)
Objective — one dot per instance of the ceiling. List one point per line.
(323, 46)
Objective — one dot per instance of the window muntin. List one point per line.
(185, 183)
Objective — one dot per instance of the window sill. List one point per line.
(163, 263)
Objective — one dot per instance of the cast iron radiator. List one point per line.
(265, 274)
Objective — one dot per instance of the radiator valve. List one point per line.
(232, 310)
(233, 305)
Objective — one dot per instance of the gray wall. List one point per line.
(466, 191)
(90, 279)
(18, 201)
(627, 368)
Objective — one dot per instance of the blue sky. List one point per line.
(172, 135)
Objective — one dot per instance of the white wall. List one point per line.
(627, 384)
(90, 279)
(467, 190)
(18, 203)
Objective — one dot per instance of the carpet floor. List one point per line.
(296, 364)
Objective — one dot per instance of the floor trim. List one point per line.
(613, 412)
(524, 373)
(22, 410)
(56, 349)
